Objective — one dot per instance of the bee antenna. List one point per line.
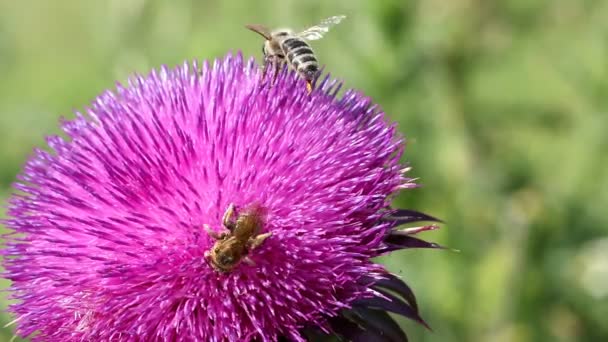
(259, 29)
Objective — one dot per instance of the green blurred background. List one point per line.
(503, 102)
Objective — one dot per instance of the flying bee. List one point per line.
(283, 45)
(242, 237)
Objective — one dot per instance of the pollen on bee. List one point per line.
(308, 87)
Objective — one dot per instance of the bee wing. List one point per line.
(260, 29)
(317, 31)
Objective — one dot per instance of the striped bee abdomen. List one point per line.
(293, 43)
(301, 57)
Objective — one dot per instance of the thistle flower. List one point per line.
(108, 240)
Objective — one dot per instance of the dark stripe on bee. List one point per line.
(293, 54)
(308, 71)
(302, 62)
(311, 68)
(293, 43)
(306, 58)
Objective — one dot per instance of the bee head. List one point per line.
(281, 33)
(226, 259)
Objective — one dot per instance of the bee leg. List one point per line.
(248, 261)
(213, 233)
(207, 257)
(278, 63)
(268, 60)
(209, 260)
(257, 241)
(227, 219)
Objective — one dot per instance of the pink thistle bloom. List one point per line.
(108, 240)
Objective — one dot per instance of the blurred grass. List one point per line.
(503, 103)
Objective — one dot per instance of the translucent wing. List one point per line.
(317, 32)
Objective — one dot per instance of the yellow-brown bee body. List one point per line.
(242, 237)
